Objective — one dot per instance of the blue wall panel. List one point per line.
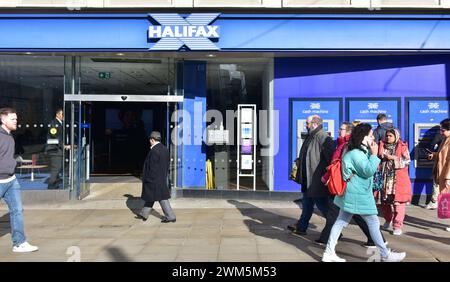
(293, 32)
(193, 149)
(352, 77)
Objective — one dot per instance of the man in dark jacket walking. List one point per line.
(9, 186)
(154, 180)
(55, 148)
(315, 156)
(383, 125)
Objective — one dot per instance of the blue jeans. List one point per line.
(308, 210)
(10, 192)
(343, 220)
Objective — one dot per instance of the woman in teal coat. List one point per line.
(359, 164)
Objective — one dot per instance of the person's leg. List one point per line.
(55, 169)
(167, 209)
(145, 211)
(387, 212)
(374, 228)
(365, 229)
(13, 199)
(399, 215)
(341, 222)
(435, 193)
(307, 211)
(322, 205)
(332, 215)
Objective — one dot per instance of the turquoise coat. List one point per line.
(358, 197)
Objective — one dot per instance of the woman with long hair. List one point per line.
(396, 184)
(359, 164)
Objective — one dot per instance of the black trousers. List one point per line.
(332, 215)
(56, 165)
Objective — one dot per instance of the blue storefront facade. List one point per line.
(340, 66)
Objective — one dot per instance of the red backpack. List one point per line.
(336, 184)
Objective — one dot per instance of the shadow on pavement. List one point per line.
(439, 239)
(135, 204)
(117, 255)
(5, 226)
(270, 225)
(422, 223)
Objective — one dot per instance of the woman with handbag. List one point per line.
(441, 169)
(395, 181)
(360, 162)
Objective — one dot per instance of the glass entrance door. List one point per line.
(120, 88)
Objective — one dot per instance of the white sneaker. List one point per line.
(387, 225)
(25, 247)
(397, 232)
(394, 257)
(431, 206)
(332, 258)
(447, 229)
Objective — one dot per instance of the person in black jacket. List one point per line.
(54, 148)
(383, 125)
(154, 180)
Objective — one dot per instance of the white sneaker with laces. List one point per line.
(397, 232)
(387, 225)
(394, 257)
(431, 206)
(25, 247)
(332, 258)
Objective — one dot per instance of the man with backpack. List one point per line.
(345, 131)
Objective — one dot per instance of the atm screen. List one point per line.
(427, 134)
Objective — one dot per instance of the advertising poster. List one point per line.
(328, 109)
(366, 110)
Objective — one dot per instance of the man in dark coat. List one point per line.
(383, 125)
(315, 155)
(54, 148)
(154, 180)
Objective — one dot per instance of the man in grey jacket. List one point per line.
(9, 186)
(315, 155)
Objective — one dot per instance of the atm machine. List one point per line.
(328, 126)
(423, 135)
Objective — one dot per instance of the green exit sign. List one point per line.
(104, 75)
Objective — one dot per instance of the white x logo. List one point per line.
(193, 43)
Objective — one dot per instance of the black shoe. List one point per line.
(371, 245)
(320, 242)
(299, 233)
(165, 220)
(291, 228)
(140, 216)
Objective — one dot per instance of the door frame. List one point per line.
(78, 99)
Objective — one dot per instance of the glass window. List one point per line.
(231, 82)
(33, 85)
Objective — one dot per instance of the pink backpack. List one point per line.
(443, 209)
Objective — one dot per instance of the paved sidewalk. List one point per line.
(103, 228)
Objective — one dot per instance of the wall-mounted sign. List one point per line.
(174, 31)
(328, 109)
(366, 110)
(246, 138)
(104, 75)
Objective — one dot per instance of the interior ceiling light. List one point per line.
(210, 55)
(125, 60)
(120, 54)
